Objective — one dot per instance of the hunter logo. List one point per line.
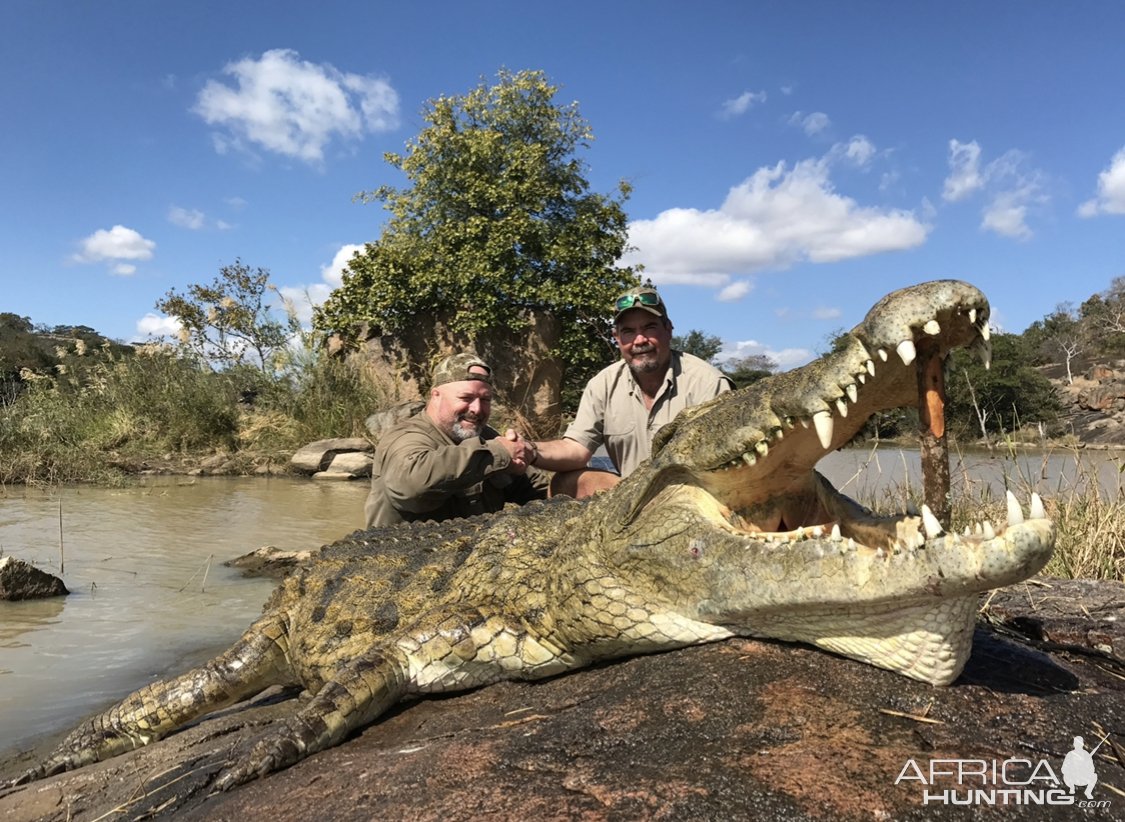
(1014, 781)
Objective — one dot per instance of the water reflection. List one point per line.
(144, 565)
(37, 614)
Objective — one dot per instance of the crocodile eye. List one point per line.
(695, 547)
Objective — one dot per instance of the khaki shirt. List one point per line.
(420, 473)
(612, 411)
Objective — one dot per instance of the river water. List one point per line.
(150, 595)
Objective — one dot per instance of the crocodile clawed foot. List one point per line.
(273, 753)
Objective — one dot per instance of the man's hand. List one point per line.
(521, 450)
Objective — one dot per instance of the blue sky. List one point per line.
(791, 161)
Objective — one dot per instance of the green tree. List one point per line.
(704, 346)
(749, 369)
(229, 321)
(498, 223)
(1008, 396)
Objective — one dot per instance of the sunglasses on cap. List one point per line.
(649, 298)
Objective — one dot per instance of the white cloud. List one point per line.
(824, 313)
(118, 243)
(156, 326)
(735, 291)
(1013, 188)
(775, 218)
(742, 103)
(811, 124)
(964, 175)
(124, 269)
(785, 358)
(192, 219)
(301, 298)
(1007, 213)
(1111, 190)
(293, 107)
(859, 150)
(333, 273)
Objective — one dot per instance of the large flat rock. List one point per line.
(736, 730)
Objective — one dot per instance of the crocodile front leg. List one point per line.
(466, 649)
(255, 662)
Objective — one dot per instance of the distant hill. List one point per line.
(26, 345)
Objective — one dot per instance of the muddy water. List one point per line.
(150, 596)
(149, 592)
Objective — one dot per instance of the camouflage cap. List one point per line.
(456, 368)
(644, 297)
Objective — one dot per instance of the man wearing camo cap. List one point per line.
(445, 461)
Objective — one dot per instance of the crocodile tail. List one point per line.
(252, 664)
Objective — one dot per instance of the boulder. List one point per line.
(346, 466)
(378, 423)
(317, 456)
(269, 561)
(21, 580)
(741, 729)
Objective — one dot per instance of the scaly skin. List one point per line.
(726, 531)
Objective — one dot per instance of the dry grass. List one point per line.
(1086, 504)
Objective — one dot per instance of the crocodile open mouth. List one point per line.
(755, 450)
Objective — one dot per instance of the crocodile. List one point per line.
(728, 530)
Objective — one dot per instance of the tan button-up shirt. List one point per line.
(612, 411)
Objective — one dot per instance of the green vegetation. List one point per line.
(497, 224)
(99, 413)
(1088, 515)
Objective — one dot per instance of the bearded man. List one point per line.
(625, 404)
(446, 461)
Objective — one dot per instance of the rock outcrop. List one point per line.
(340, 458)
(735, 730)
(1094, 404)
(21, 580)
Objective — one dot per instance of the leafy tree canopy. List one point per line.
(229, 322)
(704, 346)
(498, 220)
(1011, 394)
(749, 369)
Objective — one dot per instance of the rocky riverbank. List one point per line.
(741, 729)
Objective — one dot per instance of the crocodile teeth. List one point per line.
(749, 458)
(823, 422)
(882, 354)
(906, 351)
(1015, 513)
(968, 532)
(761, 447)
(835, 530)
(853, 394)
(987, 531)
(871, 367)
(985, 331)
(919, 540)
(842, 407)
(973, 315)
(978, 529)
(932, 328)
(930, 522)
(862, 378)
(1037, 511)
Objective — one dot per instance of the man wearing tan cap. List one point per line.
(446, 461)
(624, 405)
